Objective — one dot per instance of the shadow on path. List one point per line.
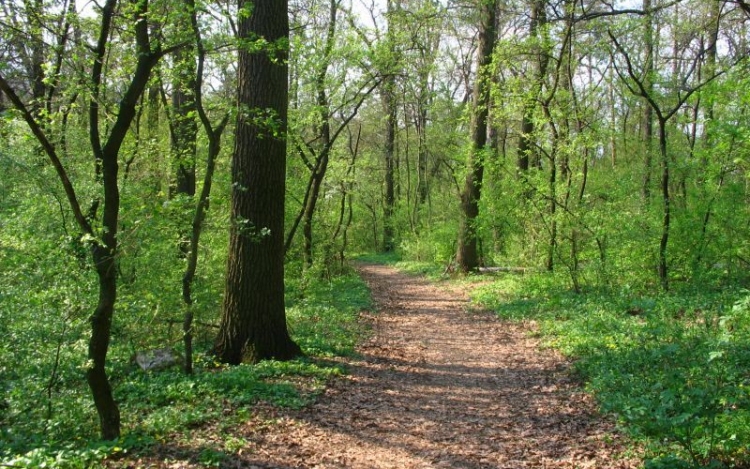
(436, 387)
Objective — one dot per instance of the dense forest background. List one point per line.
(600, 148)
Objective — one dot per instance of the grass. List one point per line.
(674, 369)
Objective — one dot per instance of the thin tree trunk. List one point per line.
(648, 111)
(527, 155)
(214, 147)
(641, 89)
(101, 328)
(550, 264)
(316, 180)
(667, 205)
(347, 197)
(105, 248)
(184, 122)
(422, 154)
(389, 107)
(105, 254)
(324, 137)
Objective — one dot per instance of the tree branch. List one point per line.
(49, 149)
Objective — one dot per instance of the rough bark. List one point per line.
(253, 325)
(467, 254)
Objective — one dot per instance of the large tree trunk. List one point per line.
(253, 325)
(467, 255)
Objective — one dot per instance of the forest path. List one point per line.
(438, 386)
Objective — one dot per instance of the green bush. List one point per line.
(673, 368)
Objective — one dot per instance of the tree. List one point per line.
(422, 24)
(527, 151)
(640, 86)
(103, 240)
(213, 133)
(330, 93)
(253, 324)
(467, 255)
(389, 108)
(648, 110)
(183, 125)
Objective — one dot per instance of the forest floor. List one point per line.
(436, 385)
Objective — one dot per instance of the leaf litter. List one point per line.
(435, 386)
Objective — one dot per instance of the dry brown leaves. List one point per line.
(436, 386)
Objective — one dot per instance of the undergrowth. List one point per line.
(160, 406)
(428, 269)
(674, 369)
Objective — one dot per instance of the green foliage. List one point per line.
(162, 403)
(387, 258)
(323, 318)
(673, 368)
(158, 405)
(681, 357)
(434, 245)
(45, 408)
(155, 406)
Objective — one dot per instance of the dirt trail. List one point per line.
(437, 386)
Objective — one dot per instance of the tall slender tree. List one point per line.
(214, 134)
(528, 156)
(647, 124)
(183, 126)
(318, 127)
(388, 95)
(467, 253)
(663, 113)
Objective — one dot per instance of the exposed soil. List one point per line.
(437, 386)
